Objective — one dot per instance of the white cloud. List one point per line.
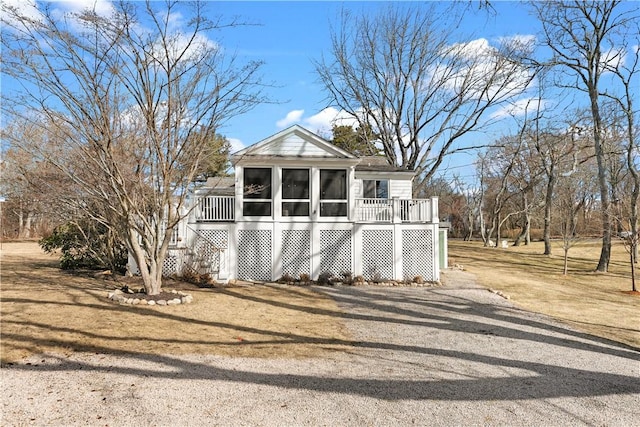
(25, 8)
(291, 118)
(186, 47)
(521, 41)
(613, 58)
(476, 69)
(101, 7)
(235, 145)
(321, 123)
(521, 107)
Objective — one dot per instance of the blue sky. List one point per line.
(289, 35)
(293, 34)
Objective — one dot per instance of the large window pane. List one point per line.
(256, 209)
(333, 209)
(373, 189)
(333, 192)
(257, 183)
(295, 208)
(295, 183)
(333, 184)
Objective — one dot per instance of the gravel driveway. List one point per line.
(451, 355)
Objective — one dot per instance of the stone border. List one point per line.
(124, 298)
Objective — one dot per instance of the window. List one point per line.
(333, 192)
(295, 192)
(257, 192)
(375, 189)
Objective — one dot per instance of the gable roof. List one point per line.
(379, 164)
(293, 142)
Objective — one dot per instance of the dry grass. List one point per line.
(598, 303)
(46, 310)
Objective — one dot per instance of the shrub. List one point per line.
(86, 244)
(325, 278)
(286, 278)
(305, 278)
(347, 277)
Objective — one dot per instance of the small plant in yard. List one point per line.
(305, 278)
(325, 278)
(347, 277)
(196, 278)
(287, 278)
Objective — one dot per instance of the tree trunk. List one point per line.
(633, 266)
(27, 225)
(548, 202)
(525, 232)
(150, 268)
(605, 253)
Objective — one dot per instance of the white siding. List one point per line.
(294, 146)
(357, 188)
(400, 189)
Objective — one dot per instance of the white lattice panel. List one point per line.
(335, 251)
(203, 256)
(377, 254)
(417, 254)
(296, 252)
(254, 255)
(170, 265)
(218, 238)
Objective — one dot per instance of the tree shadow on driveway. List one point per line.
(415, 329)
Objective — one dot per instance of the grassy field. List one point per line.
(598, 303)
(43, 309)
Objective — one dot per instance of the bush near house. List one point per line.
(86, 244)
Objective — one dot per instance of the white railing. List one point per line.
(374, 210)
(222, 209)
(418, 210)
(396, 210)
(215, 208)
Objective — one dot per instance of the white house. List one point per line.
(298, 205)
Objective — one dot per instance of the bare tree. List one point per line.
(500, 162)
(401, 74)
(132, 103)
(30, 185)
(558, 151)
(627, 72)
(582, 36)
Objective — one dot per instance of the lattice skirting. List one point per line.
(254, 255)
(296, 252)
(171, 266)
(377, 254)
(203, 254)
(417, 254)
(335, 252)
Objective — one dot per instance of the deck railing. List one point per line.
(222, 209)
(395, 210)
(215, 208)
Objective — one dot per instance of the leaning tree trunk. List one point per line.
(150, 267)
(548, 202)
(525, 232)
